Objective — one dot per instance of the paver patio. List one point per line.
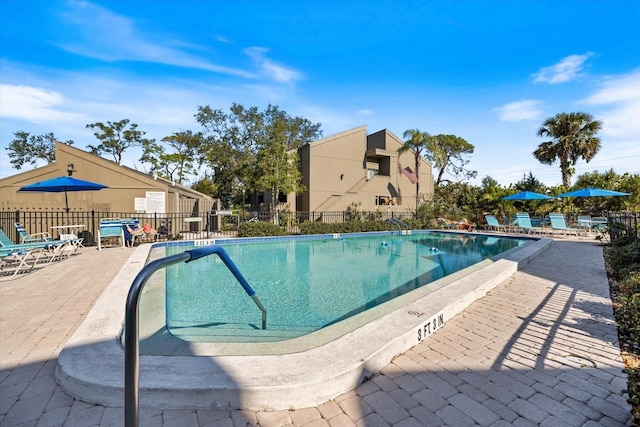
(540, 349)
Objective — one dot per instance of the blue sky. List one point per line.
(487, 71)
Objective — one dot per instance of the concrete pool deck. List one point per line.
(539, 348)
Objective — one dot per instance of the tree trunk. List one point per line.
(566, 173)
(274, 204)
(440, 173)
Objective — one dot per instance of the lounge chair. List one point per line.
(494, 224)
(5, 240)
(144, 233)
(52, 249)
(463, 224)
(76, 242)
(584, 221)
(13, 262)
(447, 224)
(111, 229)
(7, 243)
(524, 224)
(600, 223)
(31, 238)
(558, 224)
(586, 224)
(600, 227)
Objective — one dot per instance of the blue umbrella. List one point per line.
(63, 183)
(593, 192)
(527, 195)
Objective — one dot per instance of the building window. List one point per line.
(382, 200)
(371, 173)
(386, 200)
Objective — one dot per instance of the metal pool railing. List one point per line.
(131, 339)
(397, 223)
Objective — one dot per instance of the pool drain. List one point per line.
(580, 360)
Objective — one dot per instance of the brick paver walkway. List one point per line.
(539, 350)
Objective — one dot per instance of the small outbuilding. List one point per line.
(169, 207)
(129, 190)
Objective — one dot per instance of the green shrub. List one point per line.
(628, 314)
(634, 394)
(623, 257)
(257, 229)
(355, 226)
(623, 262)
(628, 320)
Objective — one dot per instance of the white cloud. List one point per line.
(566, 70)
(99, 40)
(34, 105)
(519, 111)
(619, 97)
(274, 71)
(617, 89)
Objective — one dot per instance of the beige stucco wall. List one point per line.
(334, 173)
(335, 170)
(124, 184)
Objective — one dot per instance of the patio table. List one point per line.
(599, 223)
(72, 231)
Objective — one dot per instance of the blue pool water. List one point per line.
(307, 284)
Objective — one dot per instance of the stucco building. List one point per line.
(348, 169)
(129, 191)
(353, 167)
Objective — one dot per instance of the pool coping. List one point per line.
(91, 365)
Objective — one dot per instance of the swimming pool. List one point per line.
(308, 284)
(303, 371)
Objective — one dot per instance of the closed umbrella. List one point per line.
(63, 184)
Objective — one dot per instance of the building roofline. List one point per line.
(339, 135)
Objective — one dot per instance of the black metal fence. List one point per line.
(173, 225)
(623, 224)
(225, 223)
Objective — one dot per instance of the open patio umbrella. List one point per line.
(527, 195)
(63, 183)
(593, 192)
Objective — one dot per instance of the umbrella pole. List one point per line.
(66, 202)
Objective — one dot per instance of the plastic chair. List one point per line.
(494, 224)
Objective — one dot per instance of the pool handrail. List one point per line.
(397, 223)
(131, 341)
(226, 259)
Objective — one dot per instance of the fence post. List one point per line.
(13, 229)
(93, 226)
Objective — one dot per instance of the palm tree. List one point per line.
(573, 137)
(416, 141)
